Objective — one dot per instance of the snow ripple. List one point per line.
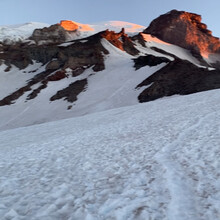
(139, 162)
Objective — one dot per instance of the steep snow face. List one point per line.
(158, 160)
(170, 48)
(111, 88)
(21, 32)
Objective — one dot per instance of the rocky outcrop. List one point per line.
(15, 55)
(179, 77)
(185, 30)
(53, 34)
(148, 60)
(72, 58)
(77, 56)
(120, 40)
(39, 78)
(71, 92)
(57, 76)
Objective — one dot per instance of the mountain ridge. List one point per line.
(64, 77)
(185, 30)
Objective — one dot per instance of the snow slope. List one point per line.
(170, 48)
(21, 32)
(113, 87)
(158, 160)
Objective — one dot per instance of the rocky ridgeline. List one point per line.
(78, 56)
(57, 33)
(49, 46)
(185, 30)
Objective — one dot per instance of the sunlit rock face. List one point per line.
(69, 25)
(120, 40)
(185, 30)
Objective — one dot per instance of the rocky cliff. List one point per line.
(185, 30)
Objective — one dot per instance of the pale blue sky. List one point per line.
(88, 11)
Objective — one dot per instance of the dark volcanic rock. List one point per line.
(71, 92)
(121, 41)
(15, 54)
(35, 92)
(77, 56)
(139, 38)
(185, 30)
(57, 76)
(8, 100)
(54, 65)
(74, 56)
(179, 77)
(149, 60)
(54, 34)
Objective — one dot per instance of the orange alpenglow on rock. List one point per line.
(185, 29)
(69, 25)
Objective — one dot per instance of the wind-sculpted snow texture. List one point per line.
(158, 160)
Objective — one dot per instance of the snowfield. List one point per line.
(158, 160)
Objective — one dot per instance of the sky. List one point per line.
(90, 11)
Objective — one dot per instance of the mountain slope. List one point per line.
(157, 160)
(71, 69)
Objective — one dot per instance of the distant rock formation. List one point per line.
(120, 40)
(57, 33)
(54, 34)
(178, 77)
(185, 30)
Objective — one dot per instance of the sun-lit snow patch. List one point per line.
(205, 54)
(116, 26)
(69, 25)
(147, 50)
(129, 27)
(170, 48)
(212, 58)
(84, 27)
(149, 38)
(73, 26)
